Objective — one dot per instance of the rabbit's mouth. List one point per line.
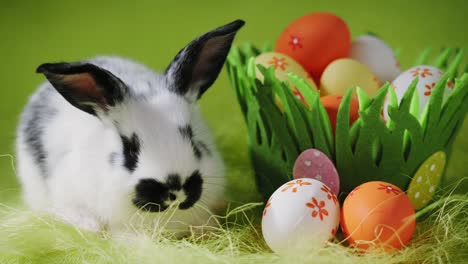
(149, 206)
(154, 196)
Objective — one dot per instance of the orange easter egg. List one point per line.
(315, 40)
(378, 214)
(332, 104)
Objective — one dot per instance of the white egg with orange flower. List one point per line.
(428, 76)
(300, 215)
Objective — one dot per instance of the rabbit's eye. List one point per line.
(187, 133)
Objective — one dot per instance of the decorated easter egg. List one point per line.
(312, 163)
(315, 40)
(378, 214)
(332, 104)
(426, 180)
(301, 214)
(283, 65)
(377, 56)
(428, 78)
(341, 74)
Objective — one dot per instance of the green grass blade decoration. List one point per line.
(424, 57)
(363, 99)
(370, 149)
(441, 61)
(453, 68)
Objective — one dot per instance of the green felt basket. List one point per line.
(369, 149)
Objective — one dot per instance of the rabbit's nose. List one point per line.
(172, 197)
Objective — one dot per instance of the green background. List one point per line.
(152, 32)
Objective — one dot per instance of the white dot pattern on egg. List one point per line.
(300, 214)
(377, 55)
(428, 78)
(314, 164)
(425, 181)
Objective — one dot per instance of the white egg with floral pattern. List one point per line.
(300, 215)
(428, 78)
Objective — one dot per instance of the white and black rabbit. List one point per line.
(107, 137)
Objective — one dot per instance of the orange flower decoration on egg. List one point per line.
(330, 194)
(268, 204)
(421, 72)
(278, 63)
(429, 87)
(389, 189)
(294, 185)
(318, 208)
(450, 84)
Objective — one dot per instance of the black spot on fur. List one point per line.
(151, 195)
(131, 151)
(203, 147)
(36, 116)
(173, 182)
(193, 189)
(187, 133)
(196, 151)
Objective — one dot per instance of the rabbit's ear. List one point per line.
(197, 66)
(86, 86)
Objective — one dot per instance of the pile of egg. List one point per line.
(306, 211)
(318, 48)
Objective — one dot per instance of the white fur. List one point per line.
(83, 187)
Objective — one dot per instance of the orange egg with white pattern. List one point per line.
(378, 215)
(300, 215)
(428, 76)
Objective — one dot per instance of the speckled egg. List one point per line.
(426, 180)
(312, 163)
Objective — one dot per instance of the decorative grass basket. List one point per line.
(370, 149)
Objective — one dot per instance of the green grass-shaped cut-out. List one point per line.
(370, 149)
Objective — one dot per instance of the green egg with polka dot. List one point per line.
(426, 180)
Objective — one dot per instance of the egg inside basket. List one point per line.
(369, 149)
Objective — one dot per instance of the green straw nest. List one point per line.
(370, 149)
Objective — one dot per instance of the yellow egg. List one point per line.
(283, 65)
(344, 73)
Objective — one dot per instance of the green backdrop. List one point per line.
(33, 32)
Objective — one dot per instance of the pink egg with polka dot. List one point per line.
(428, 78)
(314, 164)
